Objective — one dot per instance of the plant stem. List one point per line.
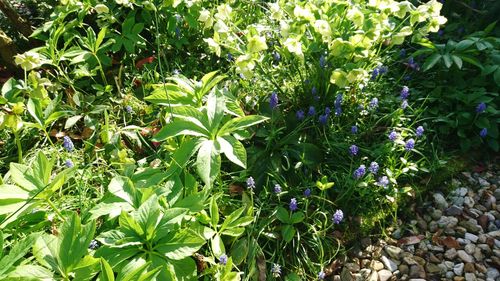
(19, 148)
(55, 209)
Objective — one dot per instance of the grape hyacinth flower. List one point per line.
(323, 119)
(322, 61)
(383, 69)
(273, 101)
(360, 171)
(69, 163)
(410, 144)
(314, 91)
(373, 168)
(68, 144)
(383, 181)
(393, 135)
(311, 111)
(321, 275)
(276, 270)
(276, 56)
(223, 259)
(327, 111)
(338, 216)
(93, 245)
(293, 204)
(483, 133)
(354, 149)
(404, 104)
(405, 92)
(481, 107)
(307, 192)
(230, 57)
(300, 115)
(419, 131)
(373, 103)
(375, 73)
(129, 109)
(277, 188)
(354, 129)
(250, 183)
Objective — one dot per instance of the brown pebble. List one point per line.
(469, 267)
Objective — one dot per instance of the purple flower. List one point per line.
(314, 91)
(405, 92)
(223, 259)
(293, 204)
(402, 53)
(373, 103)
(250, 183)
(383, 181)
(354, 149)
(360, 171)
(323, 119)
(410, 144)
(338, 111)
(328, 111)
(69, 163)
(338, 100)
(481, 107)
(374, 168)
(230, 57)
(393, 135)
(311, 111)
(321, 275)
(93, 245)
(404, 104)
(354, 129)
(483, 133)
(419, 131)
(338, 216)
(375, 73)
(383, 69)
(440, 32)
(300, 115)
(129, 109)
(276, 56)
(322, 61)
(307, 192)
(68, 144)
(277, 188)
(273, 101)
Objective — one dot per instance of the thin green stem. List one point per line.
(19, 148)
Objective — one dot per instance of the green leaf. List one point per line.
(496, 76)
(216, 106)
(282, 215)
(12, 198)
(464, 44)
(45, 251)
(122, 187)
(232, 217)
(447, 60)
(471, 60)
(431, 61)
(239, 123)
(233, 149)
(217, 245)
(130, 225)
(182, 245)
(180, 127)
(170, 221)
(18, 251)
(148, 216)
(28, 272)
(457, 60)
(297, 217)
(23, 176)
(74, 241)
(208, 161)
(184, 270)
(100, 38)
(87, 268)
(117, 239)
(288, 232)
(239, 251)
(182, 155)
(214, 212)
(106, 271)
(42, 168)
(191, 114)
(35, 109)
(234, 232)
(72, 121)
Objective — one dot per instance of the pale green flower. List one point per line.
(256, 44)
(29, 60)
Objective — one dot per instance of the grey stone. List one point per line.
(436, 214)
(451, 254)
(376, 265)
(448, 222)
(389, 264)
(470, 277)
(464, 256)
(417, 271)
(470, 248)
(384, 275)
(393, 251)
(471, 237)
(453, 211)
(458, 269)
(449, 275)
(440, 201)
(471, 226)
(432, 268)
(469, 202)
(492, 273)
(449, 265)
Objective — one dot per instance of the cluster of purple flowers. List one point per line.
(481, 107)
(223, 259)
(413, 65)
(383, 181)
(129, 109)
(353, 149)
(250, 183)
(273, 101)
(354, 129)
(338, 105)
(323, 118)
(483, 133)
(393, 135)
(379, 70)
(293, 205)
(373, 168)
(360, 171)
(338, 216)
(307, 192)
(321, 275)
(373, 103)
(322, 61)
(68, 144)
(277, 188)
(419, 131)
(410, 144)
(69, 163)
(311, 111)
(300, 115)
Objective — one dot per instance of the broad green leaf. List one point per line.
(106, 271)
(216, 106)
(208, 161)
(431, 61)
(217, 245)
(239, 251)
(12, 198)
(182, 155)
(288, 232)
(18, 251)
(232, 217)
(35, 109)
(239, 123)
(464, 44)
(100, 38)
(184, 270)
(214, 212)
(191, 114)
(45, 250)
(87, 268)
(472, 60)
(282, 215)
(234, 232)
(297, 217)
(72, 121)
(243, 221)
(123, 188)
(111, 209)
(29, 272)
(170, 221)
(148, 216)
(458, 61)
(182, 245)
(179, 127)
(117, 239)
(42, 168)
(233, 149)
(117, 259)
(130, 225)
(74, 242)
(447, 60)
(22, 176)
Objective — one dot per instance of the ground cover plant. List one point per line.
(202, 140)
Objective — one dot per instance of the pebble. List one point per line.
(451, 254)
(440, 201)
(389, 264)
(464, 256)
(470, 277)
(471, 237)
(458, 269)
(454, 210)
(393, 251)
(492, 273)
(384, 275)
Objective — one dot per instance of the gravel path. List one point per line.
(454, 237)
